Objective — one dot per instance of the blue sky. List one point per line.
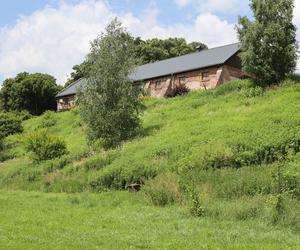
(11, 10)
(50, 36)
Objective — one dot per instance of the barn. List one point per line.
(205, 69)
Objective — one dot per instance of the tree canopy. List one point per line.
(268, 43)
(32, 92)
(148, 51)
(109, 102)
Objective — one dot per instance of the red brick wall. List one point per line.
(217, 75)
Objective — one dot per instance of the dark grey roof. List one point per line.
(197, 60)
(71, 89)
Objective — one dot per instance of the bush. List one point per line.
(48, 120)
(213, 155)
(50, 166)
(179, 90)
(43, 146)
(196, 209)
(162, 190)
(10, 124)
(233, 86)
(253, 92)
(98, 162)
(119, 177)
(23, 115)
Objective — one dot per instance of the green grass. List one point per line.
(177, 133)
(225, 145)
(119, 220)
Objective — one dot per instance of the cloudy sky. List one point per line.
(50, 36)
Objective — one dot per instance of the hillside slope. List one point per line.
(229, 155)
(235, 125)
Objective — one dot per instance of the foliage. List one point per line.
(48, 120)
(109, 102)
(155, 49)
(196, 208)
(23, 115)
(44, 146)
(10, 124)
(178, 90)
(213, 155)
(118, 177)
(268, 43)
(192, 136)
(162, 190)
(253, 92)
(34, 93)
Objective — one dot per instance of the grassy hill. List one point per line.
(234, 150)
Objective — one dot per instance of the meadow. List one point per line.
(219, 170)
(120, 220)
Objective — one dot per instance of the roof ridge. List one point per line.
(196, 52)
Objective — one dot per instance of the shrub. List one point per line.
(48, 120)
(213, 155)
(98, 162)
(253, 92)
(23, 115)
(50, 166)
(118, 177)
(179, 90)
(10, 124)
(43, 146)
(196, 209)
(162, 190)
(232, 86)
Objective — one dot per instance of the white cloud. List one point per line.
(52, 40)
(183, 3)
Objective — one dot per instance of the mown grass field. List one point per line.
(119, 220)
(236, 147)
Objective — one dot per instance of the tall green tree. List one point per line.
(32, 92)
(268, 43)
(109, 102)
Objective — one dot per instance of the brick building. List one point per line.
(205, 69)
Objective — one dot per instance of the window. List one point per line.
(157, 84)
(205, 76)
(182, 80)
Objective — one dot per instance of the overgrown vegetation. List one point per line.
(213, 153)
(10, 124)
(44, 146)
